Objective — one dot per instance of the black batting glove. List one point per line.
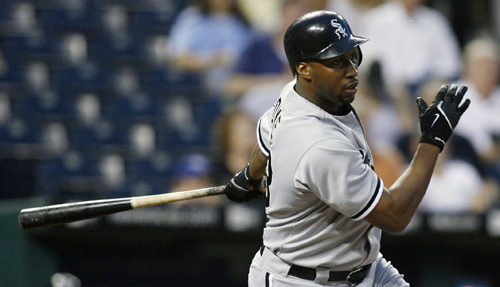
(242, 187)
(439, 119)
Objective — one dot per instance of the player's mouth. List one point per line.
(352, 87)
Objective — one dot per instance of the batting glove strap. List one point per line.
(438, 121)
(242, 187)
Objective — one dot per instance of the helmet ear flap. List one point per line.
(360, 55)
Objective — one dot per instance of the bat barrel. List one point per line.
(70, 212)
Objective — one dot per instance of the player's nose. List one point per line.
(351, 70)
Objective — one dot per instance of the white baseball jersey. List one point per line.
(321, 185)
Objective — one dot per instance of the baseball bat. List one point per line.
(70, 212)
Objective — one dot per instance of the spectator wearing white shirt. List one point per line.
(457, 187)
(481, 75)
(355, 11)
(412, 43)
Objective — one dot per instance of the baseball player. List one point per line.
(326, 206)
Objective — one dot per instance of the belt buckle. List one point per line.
(348, 278)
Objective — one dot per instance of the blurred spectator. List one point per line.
(354, 11)
(234, 134)
(412, 43)
(496, 18)
(207, 38)
(262, 13)
(37, 77)
(5, 108)
(481, 124)
(64, 280)
(193, 171)
(260, 98)
(264, 60)
(112, 172)
(19, 19)
(383, 130)
(88, 109)
(457, 185)
(377, 110)
(115, 19)
(143, 139)
(55, 139)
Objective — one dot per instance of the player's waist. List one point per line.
(326, 250)
(353, 276)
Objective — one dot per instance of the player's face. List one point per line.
(334, 81)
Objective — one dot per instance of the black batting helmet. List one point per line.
(319, 35)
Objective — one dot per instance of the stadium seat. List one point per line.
(85, 78)
(150, 175)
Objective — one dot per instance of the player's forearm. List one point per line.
(410, 188)
(398, 203)
(258, 163)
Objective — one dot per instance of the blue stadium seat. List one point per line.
(22, 131)
(86, 78)
(72, 176)
(49, 48)
(44, 104)
(124, 49)
(16, 18)
(103, 136)
(166, 82)
(150, 175)
(155, 22)
(188, 122)
(12, 80)
(65, 17)
(138, 106)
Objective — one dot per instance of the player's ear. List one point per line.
(303, 70)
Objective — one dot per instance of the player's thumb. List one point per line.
(422, 105)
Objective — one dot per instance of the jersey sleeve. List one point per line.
(336, 172)
(264, 132)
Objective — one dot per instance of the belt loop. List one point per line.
(322, 275)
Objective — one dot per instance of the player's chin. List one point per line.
(349, 94)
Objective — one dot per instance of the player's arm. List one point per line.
(398, 203)
(248, 183)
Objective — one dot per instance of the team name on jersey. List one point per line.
(276, 115)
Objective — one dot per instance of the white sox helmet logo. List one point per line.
(340, 30)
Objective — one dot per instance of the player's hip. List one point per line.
(267, 269)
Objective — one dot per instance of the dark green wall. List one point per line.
(23, 261)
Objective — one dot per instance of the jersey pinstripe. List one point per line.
(321, 185)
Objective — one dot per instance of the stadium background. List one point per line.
(181, 246)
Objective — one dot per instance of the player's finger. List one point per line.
(450, 94)
(422, 105)
(442, 92)
(463, 107)
(460, 95)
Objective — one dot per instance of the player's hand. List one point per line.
(242, 187)
(438, 120)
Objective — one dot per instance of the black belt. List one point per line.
(354, 277)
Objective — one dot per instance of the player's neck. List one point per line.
(336, 110)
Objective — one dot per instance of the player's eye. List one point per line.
(354, 58)
(336, 63)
